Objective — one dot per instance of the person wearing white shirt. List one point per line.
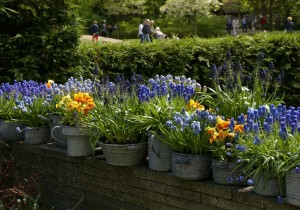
(235, 25)
(158, 34)
(140, 35)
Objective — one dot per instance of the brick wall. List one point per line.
(65, 181)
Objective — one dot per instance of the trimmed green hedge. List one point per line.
(38, 40)
(193, 57)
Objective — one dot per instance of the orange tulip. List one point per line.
(222, 125)
(211, 131)
(239, 128)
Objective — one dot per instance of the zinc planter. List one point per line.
(56, 132)
(293, 188)
(124, 154)
(8, 130)
(78, 144)
(265, 187)
(37, 135)
(159, 153)
(223, 173)
(191, 167)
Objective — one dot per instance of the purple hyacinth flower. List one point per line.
(250, 182)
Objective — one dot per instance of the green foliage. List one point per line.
(8, 108)
(269, 147)
(39, 40)
(186, 132)
(234, 92)
(157, 111)
(109, 121)
(193, 57)
(33, 114)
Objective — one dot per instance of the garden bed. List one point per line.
(65, 181)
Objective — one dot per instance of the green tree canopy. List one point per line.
(180, 8)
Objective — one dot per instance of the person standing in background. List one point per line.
(229, 25)
(289, 25)
(104, 29)
(263, 21)
(140, 34)
(146, 31)
(151, 30)
(235, 25)
(245, 24)
(94, 30)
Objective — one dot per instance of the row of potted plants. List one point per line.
(186, 128)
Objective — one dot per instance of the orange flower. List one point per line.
(48, 84)
(222, 135)
(239, 128)
(211, 131)
(222, 124)
(213, 137)
(88, 107)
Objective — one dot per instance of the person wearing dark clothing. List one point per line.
(110, 29)
(94, 30)
(229, 25)
(103, 31)
(245, 24)
(146, 31)
(289, 25)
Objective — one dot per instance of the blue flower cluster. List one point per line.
(197, 121)
(170, 87)
(285, 121)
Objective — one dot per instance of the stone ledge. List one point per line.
(136, 187)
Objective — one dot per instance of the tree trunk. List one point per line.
(271, 14)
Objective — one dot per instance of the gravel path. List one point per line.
(100, 39)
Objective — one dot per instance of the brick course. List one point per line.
(65, 180)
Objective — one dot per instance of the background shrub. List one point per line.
(193, 57)
(38, 40)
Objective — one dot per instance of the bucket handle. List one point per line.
(157, 153)
(135, 147)
(53, 136)
(31, 128)
(44, 118)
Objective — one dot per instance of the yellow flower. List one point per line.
(73, 105)
(222, 135)
(74, 109)
(194, 105)
(222, 124)
(83, 97)
(213, 138)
